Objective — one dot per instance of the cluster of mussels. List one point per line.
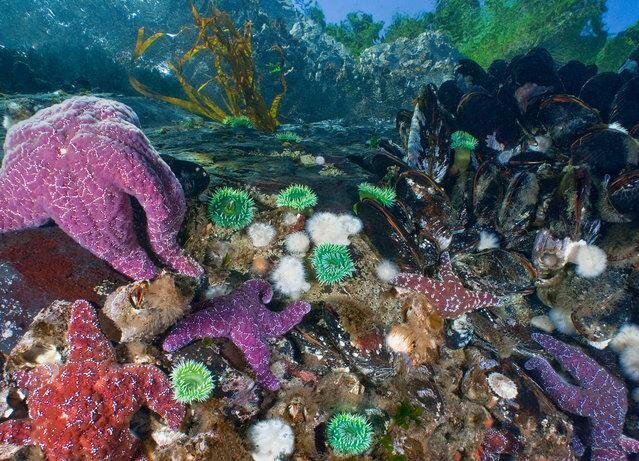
(550, 164)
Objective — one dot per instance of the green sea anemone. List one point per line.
(192, 381)
(231, 208)
(297, 196)
(288, 136)
(463, 140)
(332, 263)
(235, 121)
(349, 434)
(383, 195)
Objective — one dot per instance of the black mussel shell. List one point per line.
(623, 192)
(565, 118)
(518, 207)
(625, 105)
(471, 72)
(498, 71)
(430, 208)
(390, 235)
(192, 177)
(569, 212)
(487, 193)
(402, 123)
(480, 114)
(382, 160)
(536, 66)
(634, 131)
(429, 140)
(605, 150)
(499, 271)
(599, 91)
(449, 96)
(574, 74)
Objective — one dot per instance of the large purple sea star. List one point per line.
(448, 296)
(82, 410)
(78, 163)
(243, 318)
(600, 396)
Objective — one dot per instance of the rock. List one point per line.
(39, 266)
(142, 310)
(391, 74)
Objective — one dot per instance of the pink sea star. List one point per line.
(78, 163)
(82, 410)
(448, 296)
(600, 396)
(243, 317)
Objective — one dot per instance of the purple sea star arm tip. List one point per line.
(78, 163)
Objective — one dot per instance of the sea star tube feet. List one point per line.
(242, 317)
(79, 163)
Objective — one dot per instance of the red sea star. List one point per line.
(82, 410)
(243, 318)
(78, 163)
(448, 296)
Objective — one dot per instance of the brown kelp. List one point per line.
(231, 51)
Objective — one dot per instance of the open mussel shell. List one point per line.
(192, 177)
(624, 109)
(498, 271)
(599, 91)
(574, 74)
(623, 192)
(565, 117)
(390, 234)
(605, 150)
(428, 205)
(536, 66)
(471, 72)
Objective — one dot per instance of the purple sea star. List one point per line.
(448, 296)
(78, 163)
(600, 396)
(243, 317)
(82, 410)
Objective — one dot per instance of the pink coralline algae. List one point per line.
(496, 443)
(242, 317)
(448, 296)
(82, 410)
(78, 163)
(599, 396)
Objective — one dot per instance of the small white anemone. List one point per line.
(272, 440)
(626, 337)
(562, 320)
(590, 260)
(386, 271)
(487, 240)
(261, 234)
(325, 227)
(289, 277)
(297, 243)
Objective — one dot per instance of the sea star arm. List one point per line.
(585, 370)
(278, 323)
(141, 172)
(568, 396)
(16, 432)
(86, 341)
(629, 445)
(154, 389)
(415, 282)
(207, 323)
(258, 356)
(260, 288)
(446, 269)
